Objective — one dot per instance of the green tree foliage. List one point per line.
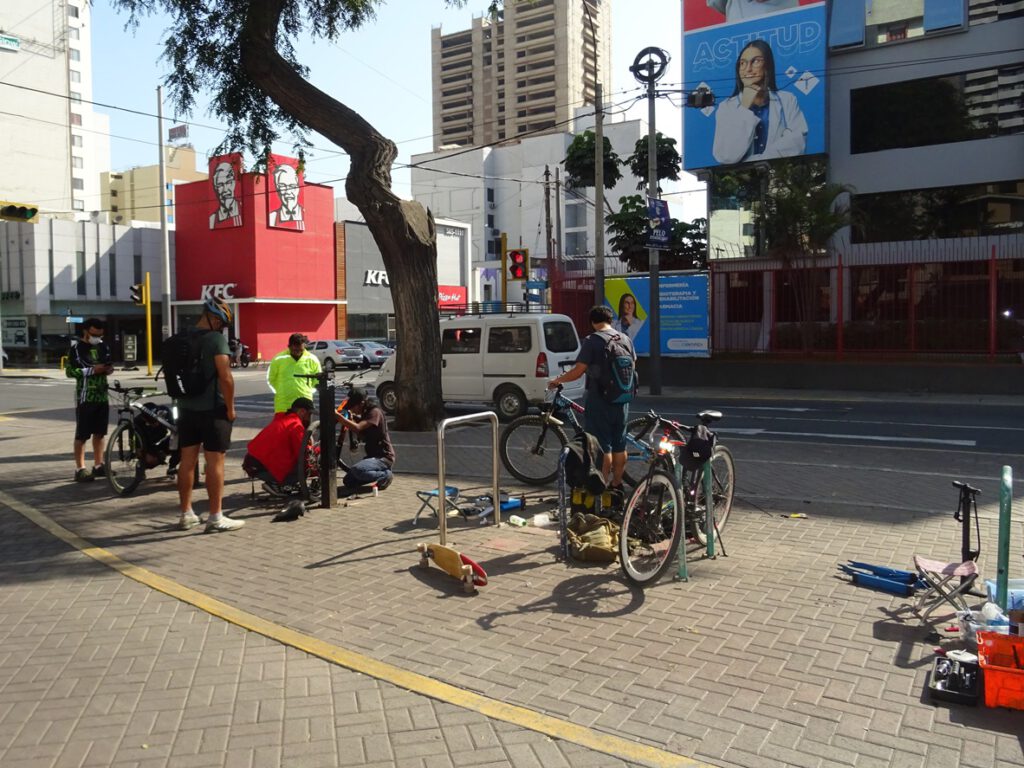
(243, 54)
(579, 162)
(628, 238)
(669, 164)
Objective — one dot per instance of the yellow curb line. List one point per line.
(357, 662)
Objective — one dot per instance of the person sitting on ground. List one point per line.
(372, 428)
(273, 455)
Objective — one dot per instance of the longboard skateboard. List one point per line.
(455, 564)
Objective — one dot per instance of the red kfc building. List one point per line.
(264, 243)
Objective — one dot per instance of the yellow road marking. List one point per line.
(554, 727)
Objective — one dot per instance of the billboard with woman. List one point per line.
(764, 61)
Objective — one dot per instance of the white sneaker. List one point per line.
(188, 520)
(225, 523)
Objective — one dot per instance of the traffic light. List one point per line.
(19, 212)
(138, 294)
(519, 264)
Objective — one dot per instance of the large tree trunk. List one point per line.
(403, 230)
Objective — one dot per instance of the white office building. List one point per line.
(53, 145)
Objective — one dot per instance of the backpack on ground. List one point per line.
(593, 539)
(180, 359)
(618, 382)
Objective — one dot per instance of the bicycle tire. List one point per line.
(723, 488)
(529, 449)
(647, 546)
(123, 458)
(639, 429)
(309, 462)
(346, 450)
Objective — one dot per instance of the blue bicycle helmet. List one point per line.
(219, 309)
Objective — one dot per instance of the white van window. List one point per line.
(510, 339)
(460, 341)
(560, 336)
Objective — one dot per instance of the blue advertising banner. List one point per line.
(767, 74)
(659, 225)
(684, 312)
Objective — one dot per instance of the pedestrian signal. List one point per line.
(518, 264)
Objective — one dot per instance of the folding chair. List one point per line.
(430, 497)
(938, 587)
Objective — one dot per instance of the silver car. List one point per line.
(375, 354)
(335, 353)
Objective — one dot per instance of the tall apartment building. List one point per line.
(522, 71)
(134, 195)
(53, 145)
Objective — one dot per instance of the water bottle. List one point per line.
(516, 520)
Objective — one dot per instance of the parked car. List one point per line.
(505, 360)
(375, 354)
(334, 353)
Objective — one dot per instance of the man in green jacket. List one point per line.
(88, 363)
(281, 376)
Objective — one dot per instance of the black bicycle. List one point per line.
(145, 437)
(530, 445)
(346, 445)
(671, 500)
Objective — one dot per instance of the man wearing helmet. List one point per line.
(205, 420)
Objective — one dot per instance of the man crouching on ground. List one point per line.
(372, 428)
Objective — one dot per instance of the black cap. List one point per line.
(356, 395)
(302, 402)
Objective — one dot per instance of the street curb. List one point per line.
(414, 682)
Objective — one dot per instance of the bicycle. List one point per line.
(530, 445)
(145, 437)
(671, 498)
(309, 455)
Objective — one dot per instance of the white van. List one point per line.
(504, 359)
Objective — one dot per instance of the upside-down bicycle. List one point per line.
(145, 437)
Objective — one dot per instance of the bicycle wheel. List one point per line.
(124, 459)
(529, 449)
(346, 450)
(638, 449)
(651, 528)
(723, 486)
(309, 462)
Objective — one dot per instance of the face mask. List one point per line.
(94, 340)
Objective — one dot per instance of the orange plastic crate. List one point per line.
(1002, 659)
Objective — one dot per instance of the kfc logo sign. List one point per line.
(218, 291)
(376, 277)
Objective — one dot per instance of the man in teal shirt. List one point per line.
(204, 420)
(281, 376)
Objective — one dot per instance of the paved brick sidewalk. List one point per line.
(764, 658)
(97, 670)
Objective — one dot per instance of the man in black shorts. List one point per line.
(205, 420)
(88, 363)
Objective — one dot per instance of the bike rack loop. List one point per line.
(442, 508)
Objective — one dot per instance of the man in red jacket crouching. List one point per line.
(273, 455)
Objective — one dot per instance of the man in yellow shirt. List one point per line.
(281, 376)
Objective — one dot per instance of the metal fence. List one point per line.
(917, 299)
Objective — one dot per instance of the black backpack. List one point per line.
(618, 382)
(583, 464)
(180, 359)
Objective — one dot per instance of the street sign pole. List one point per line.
(148, 306)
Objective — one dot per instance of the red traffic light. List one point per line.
(518, 264)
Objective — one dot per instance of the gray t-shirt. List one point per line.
(211, 344)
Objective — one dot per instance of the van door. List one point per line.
(511, 356)
(461, 366)
(563, 347)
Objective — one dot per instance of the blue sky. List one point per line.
(381, 70)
